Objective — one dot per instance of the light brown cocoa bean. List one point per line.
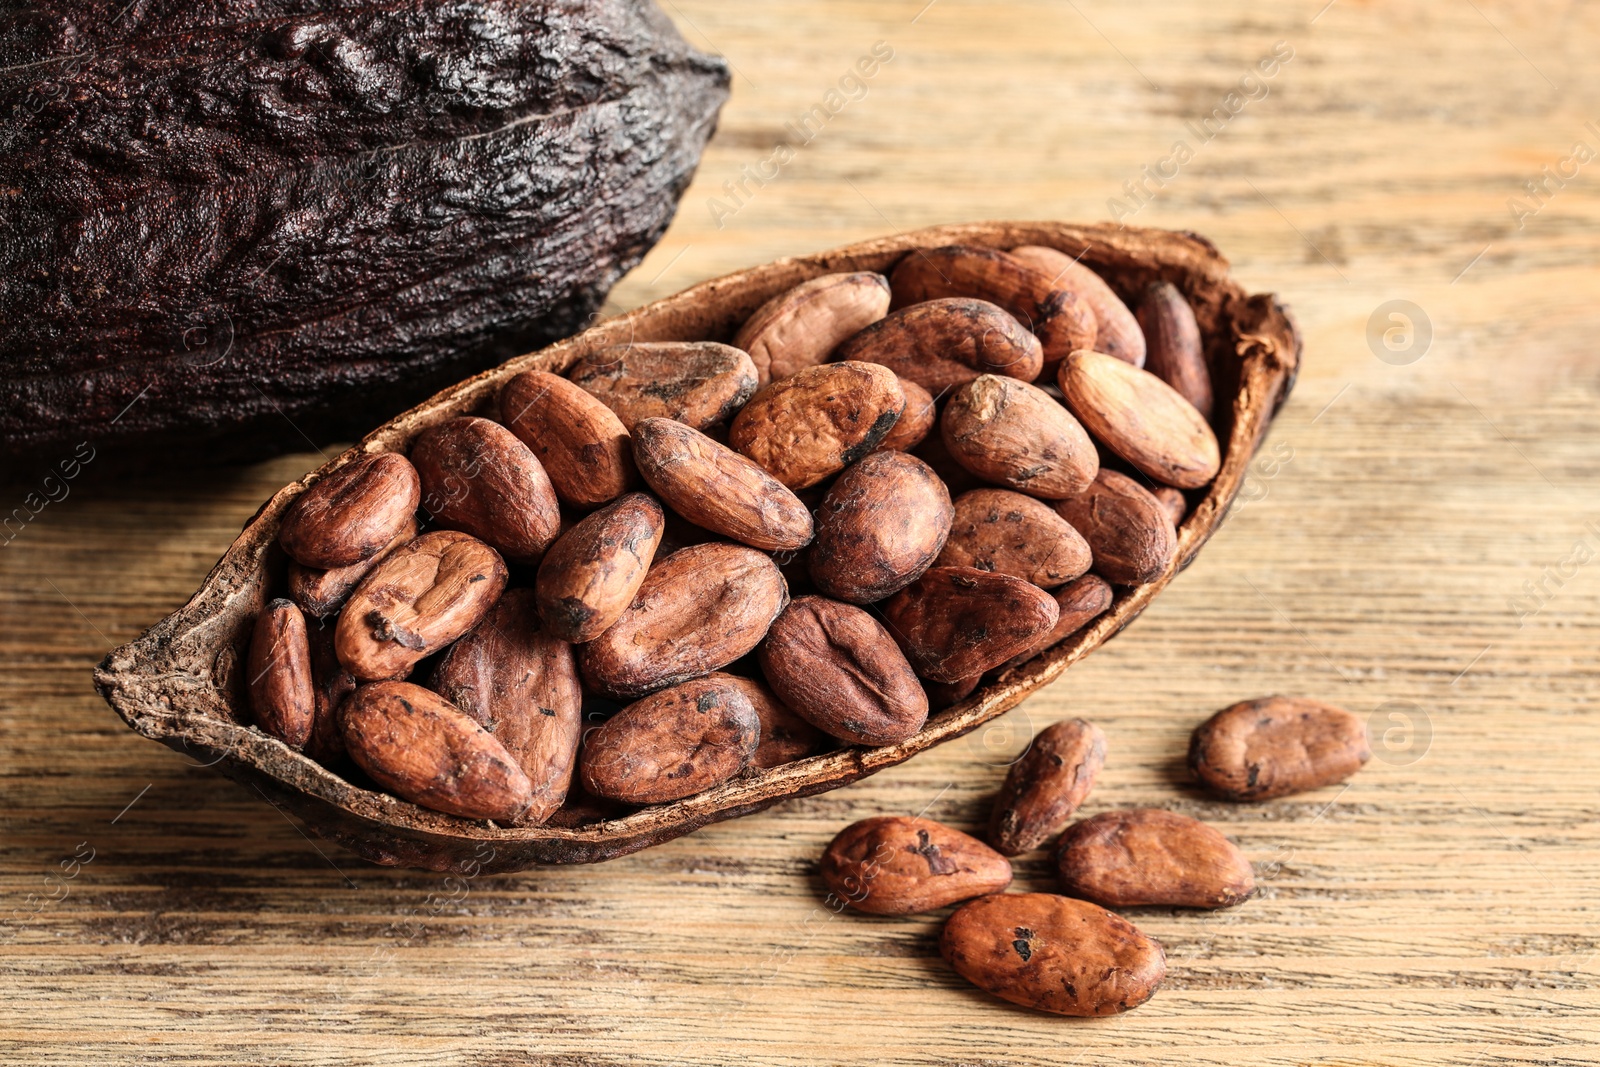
(785, 736)
(1008, 533)
(521, 684)
(590, 575)
(322, 591)
(1046, 785)
(413, 743)
(1177, 355)
(352, 512)
(915, 422)
(955, 622)
(698, 610)
(1080, 602)
(1054, 954)
(719, 490)
(1142, 419)
(943, 343)
(1128, 859)
(1014, 434)
(279, 680)
(332, 685)
(1117, 331)
(801, 327)
(1173, 500)
(418, 600)
(672, 744)
(698, 383)
(1127, 528)
(1276, 746)
(479, 478)
(894, 865)
(1060, 317)
(881, 525)
(818, 421)
(839, 669)
(581, 443)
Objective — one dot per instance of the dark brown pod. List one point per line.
(1128, 859)
(1016, 435)
(590, 575)
(413, 743)
(581, 443)
(799, 328)
(1117, 331)
(698, 610)
(698, 383)
(322, 591)
(418, 600)
(521, 684)
(671, 744)
(1172, 499)
(477, 477)
(716, 488)
(940, 344)
(281, 691)
(1080, 602)
(352, 512)
(1054, 954)
(785, 736)
(1046, 785)
(332, 685)
(915, 422)
(1173, 336)
(881, 525)
(839, 669)
(955, 622)
(1275, 746)
(895, 865)
(818, 421)
(1127, 528)
(1008, 533)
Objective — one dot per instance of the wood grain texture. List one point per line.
(1441, 909)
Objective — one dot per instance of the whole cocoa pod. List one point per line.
(818, 421)
(279, 674)
(1046, 785)
(1008, 533)
(894, 865)
(1142, 419)
(1016, 435)
(477, 477)
(1117, 331)
(322, 591)
(699, 609)
(697, 383)
(1177, 355)
(799, 328)
(672, 744)
(418, 600)
(581, 442)
(590, 575)
(955, 622)
(1128, 530)
(1275, 746)
(351, 513)
(881, 525)
(839, 669)
(1127, 859)
(940, 344)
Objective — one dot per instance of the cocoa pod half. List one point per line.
(581, 442)
(352, 512)
(940, 344)
(1127, 859)
(1276, 746)
(894, 865)
(1046, 785)
(1016, 435)
(1142, 419)
(881, 525)
(479, 478)
(799, 328)
(590, 575)
(1127, 528)
(818, 421)
(1176, 356)
(1117, 331)
(697, 383)
(279, 674)
(1007, 533)
(955, 622)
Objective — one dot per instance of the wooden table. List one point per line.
(1443, 908)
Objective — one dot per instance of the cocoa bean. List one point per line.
(785, 736)
(1173, 501)
(1079, 602)
(1176, 353)
(590, 575)
(818, 421)
(698, 383)
(799, 328)
(940, 344)
(1117, 331)
(1008, 533)
(479, 478)
(331, 684)
(955, 622)
(1142, 419)
(943, 695)
(351, 513)
(1275, 746)
(1046, 785)
(894, 865)
(581, 442)
(915, 422)
(322, 591)
(881, 525)
(1128, 859)
(1127, 528)
(1013, 434)
(279, 680)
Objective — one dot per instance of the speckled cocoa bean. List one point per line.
(322, 591)
(590, 575)
(1007, 533)
(799, 328)
(1046, 785)
(818, 421)
(1015, 435)
(895, 865)
(1275, 746)
(881, 525)
(1117, 331)
(940, 344)
(1127, 528)
(478, 478)
(581, 443)
(955, 622)
(351, 513)
(785, 736)
(1142, 856)
(915, 422)
(698, 383)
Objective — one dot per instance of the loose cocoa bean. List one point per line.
(413, 743)
(915, 422)
(881, 525)
(719, 490)
(894, 865)
(1142, 419)
(818, 421)
(418, 600)
(698, 383)
(1053, 954)
(785, 736)
(322, 591)
(940, 344)
(1275, 746)
(352, 512)
(1046, 785)
(698, 610)
(672, 744)
(281, 692)
(1008, 533)
(839, 669)
(1173, 501)
(1127, 528)
(590, 575)
(955, 622)
(1127, 859)
(799, 328)
(1013, 434)
(1176, 354)
(521, 684)
(581, 442)
(479, 478)
(1117, 331)
(1080, 602)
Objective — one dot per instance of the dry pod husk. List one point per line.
(351, 513)
(581, 443)
(799, 328)
(894, 865)
(1127, 528)
(1276, 746)
(590, 575)
(1127, 859)
(1046, 785)
(1142, 419)
(881, 525)
(698, 383)
(1014, 434)
(1117, 330)
(940, 344)
(281, 691)
(1176, 354)
(478, 478)
(818, 421)
(955, 622)
(1007, 533)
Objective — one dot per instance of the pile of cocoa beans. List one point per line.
(1067, 953)
(685, 561)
